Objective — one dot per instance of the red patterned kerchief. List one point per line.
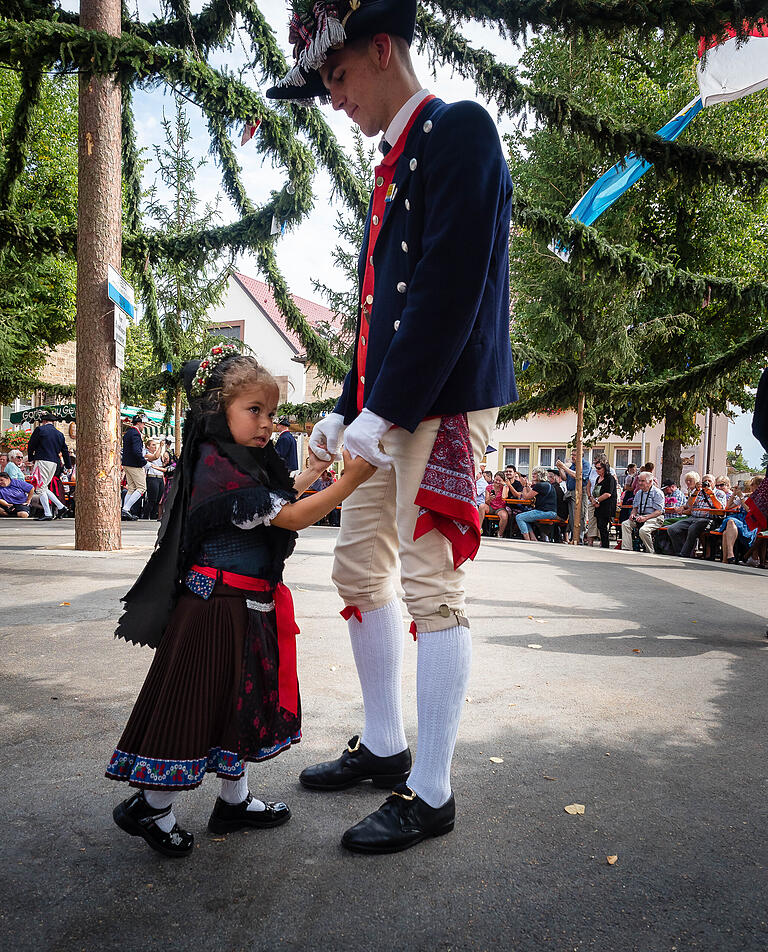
(446, 496)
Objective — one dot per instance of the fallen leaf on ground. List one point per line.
(549, 778)
(530, 616)
(534, 646)
(611, 860)
(468, 699)
(575, 809)
(497, 760)
(636, 651)
(64, 603)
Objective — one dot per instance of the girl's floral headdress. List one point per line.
(208, 364)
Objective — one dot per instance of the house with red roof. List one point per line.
(249, 312)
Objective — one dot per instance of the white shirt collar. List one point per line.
(404, 113)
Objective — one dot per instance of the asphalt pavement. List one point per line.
(631, 684)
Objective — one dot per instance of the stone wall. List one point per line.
(60, 366)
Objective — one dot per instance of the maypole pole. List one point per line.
(99, 244)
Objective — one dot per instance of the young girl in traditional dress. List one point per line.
(222, 689)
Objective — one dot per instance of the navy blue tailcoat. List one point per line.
(438, 339)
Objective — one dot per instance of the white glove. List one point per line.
(326, 437)
(363, 436)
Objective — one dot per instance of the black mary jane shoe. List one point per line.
(137, 818)
(354, 766)
(402, 821)
(227, 817)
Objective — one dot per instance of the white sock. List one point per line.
(45, 504)
(53, 498)
(444, 662)
(235, 791)
(160, 800)
(377, 644)
(131, 499)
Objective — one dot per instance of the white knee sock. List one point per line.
(131, 499)
(53, 498)
(160, 800)
(444, 662)
(235, 791)
(45, 503)
(377, 644)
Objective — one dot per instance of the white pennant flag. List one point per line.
(733, 67)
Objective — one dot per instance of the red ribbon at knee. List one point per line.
(350, 610)
(413, 631)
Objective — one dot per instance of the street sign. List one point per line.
(119, 356)
(120, 292)
(121, 323)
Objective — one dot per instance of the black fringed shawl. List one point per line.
(216, 480)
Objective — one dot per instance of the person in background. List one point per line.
(286, 445)
(553, 475)
(133, 466)
(514, 482)
(629, 476)
(15, 496)
(496, 496)
(155, 474)
(673, 497)
(645, 468)
(691, 480)
(3, 462)
(604, 499)
(647, 513)
(47, 448)
(569, 475)
(13, 465)
(544, 504)
(702, 505)
(737, 537)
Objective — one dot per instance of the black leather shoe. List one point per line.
(402, 821)
(356, 764)
(127, 516)
(227, 817)
(137, 818)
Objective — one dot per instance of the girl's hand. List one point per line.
(317, 465)
(357, 469)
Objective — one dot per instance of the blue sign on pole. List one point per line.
(120, 292)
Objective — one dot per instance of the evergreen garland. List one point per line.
(17, 145)
(36, 35)
(498, 82)
(675, 17)
(586, 243)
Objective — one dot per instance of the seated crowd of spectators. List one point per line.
(544, 508)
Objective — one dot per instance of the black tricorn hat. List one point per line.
(317, 28)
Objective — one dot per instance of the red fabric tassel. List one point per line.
(349, 611)
(413, 631)
(287, 629)
(446, 496)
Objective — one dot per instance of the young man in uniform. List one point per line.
(431, 366)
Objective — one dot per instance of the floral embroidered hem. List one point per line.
(171, 774)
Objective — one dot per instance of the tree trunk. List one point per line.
(99, 237)
(671, 450)
(579, 453)
(177, 422)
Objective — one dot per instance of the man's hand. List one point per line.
(362, 439)
(326, 437)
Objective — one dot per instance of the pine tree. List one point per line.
(641, 334)
(186, 289)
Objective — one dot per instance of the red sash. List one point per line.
(287, 629)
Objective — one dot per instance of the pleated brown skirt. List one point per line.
(210, 701)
